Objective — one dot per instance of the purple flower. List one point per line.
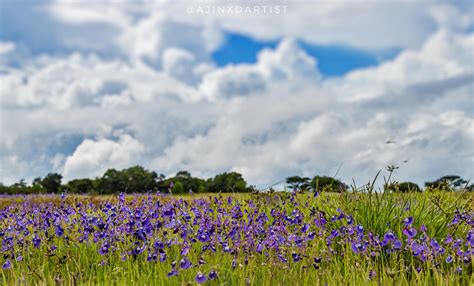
(360, 229)
(358, 247)
(59, 230)
(296, 257)
(434, 244)
(410, 232)
(200, 278)
(408, 221)
(173, 272)
(305, 228)
(185, 250)
(7, 264)
(449, 259)
(397, 244)
(387, 238)
(282, 258)
(212, 275)
(185, 263)
(372, 274)
(36, 241)
(448, 239)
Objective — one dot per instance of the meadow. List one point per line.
(353, 238)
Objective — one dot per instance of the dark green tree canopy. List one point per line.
(327, 184)
(451, 182)
(50, 184)
(403, 187)
(298, 183)
(137, 179)
(227, 183)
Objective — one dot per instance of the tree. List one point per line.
(51, 183)
(327, 184)
(450, 182)
(227, 183)
(188, 182)
(403, 187)
(112, 182)
(81, 186)
(178, 188)
(139, 179)
(132, 180)
(298, 183)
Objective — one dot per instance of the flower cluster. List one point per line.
(275, 229)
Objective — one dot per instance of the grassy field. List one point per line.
(241, 239)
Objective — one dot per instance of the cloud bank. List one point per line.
(90, 86)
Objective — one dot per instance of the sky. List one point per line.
(269, 89)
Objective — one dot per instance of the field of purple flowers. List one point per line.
(242, 239)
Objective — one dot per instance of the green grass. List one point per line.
(80, 263)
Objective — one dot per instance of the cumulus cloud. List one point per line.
(120, 84)
(288, 62)
(92, 158)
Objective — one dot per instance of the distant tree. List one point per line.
(183, 174)
(227, 183)
(81, 186)
(51, 183)
(450, 182)
(403, 187)
(20, 188)
(112, 182)
(188, 182)
(327, 184)
(132, 180)
(139, 179)
(298, 183)
(4, 189)
(178, 188)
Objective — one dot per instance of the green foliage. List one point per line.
(446, 183)
(140, 180)
(81, 186)
(231, 182)
(187, 182)
(403, 187)
(132, 180)
(178, 188)
(327, 184)
(298, 183)
(51, 183)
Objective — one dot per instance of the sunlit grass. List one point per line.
(73, 262)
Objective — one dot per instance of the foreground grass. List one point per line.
(79, 263)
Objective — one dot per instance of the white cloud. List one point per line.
(133, 86)
(288, 62)
(92, 158)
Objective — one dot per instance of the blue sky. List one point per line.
(89, 86)
(333, 60)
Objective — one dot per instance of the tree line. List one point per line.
(131, 180)
(140, 180)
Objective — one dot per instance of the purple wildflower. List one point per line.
(212, 275)
(200, 278)
(408, 221)
(409, 232)
(7, 264)
(185, 263)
